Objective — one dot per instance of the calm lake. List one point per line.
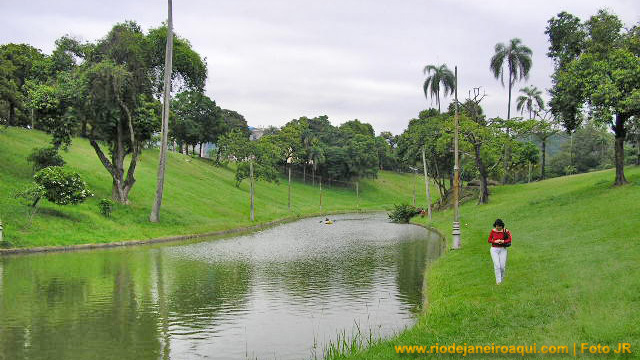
(281, 293)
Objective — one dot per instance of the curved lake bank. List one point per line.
(278, 293)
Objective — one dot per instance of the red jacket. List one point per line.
(499, 235)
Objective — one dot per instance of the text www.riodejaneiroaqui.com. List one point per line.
(464, 349)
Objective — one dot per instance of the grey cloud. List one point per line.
(277, 60)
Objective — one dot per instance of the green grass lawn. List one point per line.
(573, 272)
(199, 197)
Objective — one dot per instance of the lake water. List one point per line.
(281, 293)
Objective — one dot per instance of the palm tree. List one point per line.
(441, 76)
(517, 58)
(168, 60)
(530, 100)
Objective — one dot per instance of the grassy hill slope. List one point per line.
(199, 197)
(573, 272)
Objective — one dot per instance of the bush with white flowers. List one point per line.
(61, 186)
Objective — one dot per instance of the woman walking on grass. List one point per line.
(500, 239)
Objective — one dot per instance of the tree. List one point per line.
(123, 120)
(168, 61)
(592, 149)
(196, 119)
(386, 156)
(117, 82)
(438, 76)
(604, 73)
(390, 138)
(254, 160)
(290, 145)
(18, 64)
(530, 100)
(428, 132)
(57, 185)
(234, 121)
(357, 127)
(633, 134)
(516, 57)
(8, 90)
(545, 128)
(480, 134)
(525, 155)
(45, 157)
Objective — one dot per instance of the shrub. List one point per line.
(31, 196)
(62, 187)
(56, 185)
(106, 207)
(403, 213)
(45, 157)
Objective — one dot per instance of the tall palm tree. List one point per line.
(168, 61)
(517, 58)
(438, 76)
(530, 100)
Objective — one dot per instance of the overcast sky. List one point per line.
(277, 60)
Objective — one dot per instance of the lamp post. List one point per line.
(456, 175)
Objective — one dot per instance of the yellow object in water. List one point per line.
(328, 222)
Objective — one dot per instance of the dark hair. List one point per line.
(498, 222)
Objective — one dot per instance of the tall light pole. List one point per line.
(456, 175)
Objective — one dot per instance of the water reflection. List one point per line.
(268, 295)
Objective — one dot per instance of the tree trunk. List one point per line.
(313, 177)
(251, 191)
(620, 133)
(510, 87)
(426, 183)
(544, 157)
(304, 173)
(484, 188)
(289, 197)
(571, 149)
(415, 180)
(638, 150)
(83, 131)
(507, 146)
(121, 185)
(12, 114)
(320, 194)
(168, 60)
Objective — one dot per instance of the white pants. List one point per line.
(499, 257)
